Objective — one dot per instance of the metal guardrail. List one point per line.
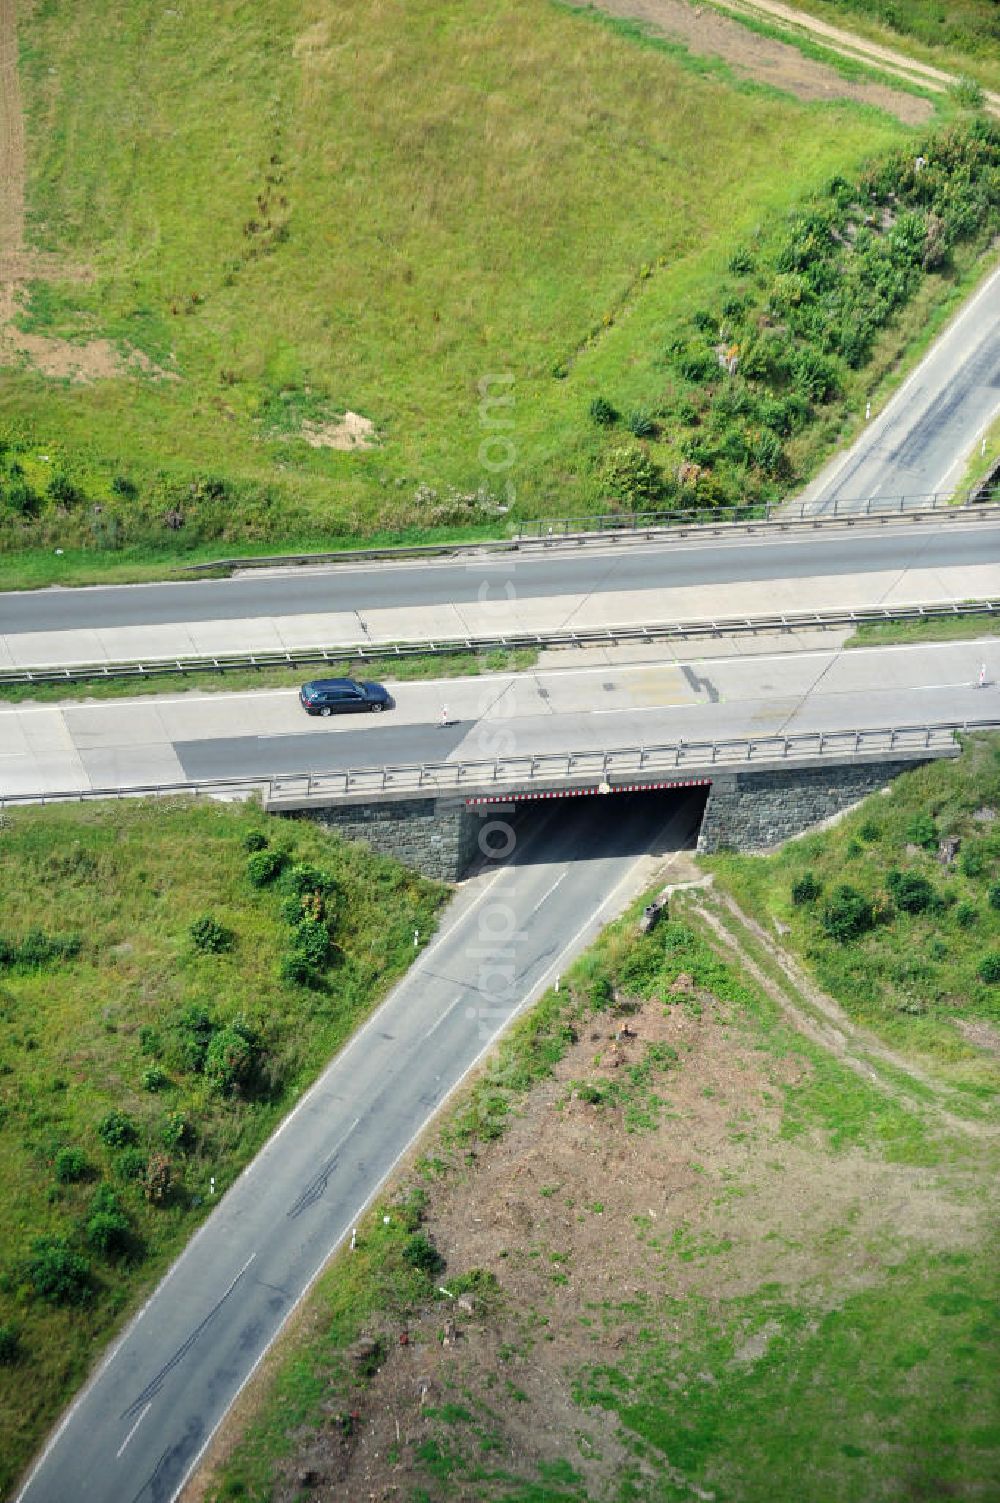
(638, 526)
(842, 508)
(535, 770)
(598, 636)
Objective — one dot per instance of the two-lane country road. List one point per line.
(607, 585)
(920, 442)
(140, 1425)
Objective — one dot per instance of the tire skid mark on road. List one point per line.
(153, 1387)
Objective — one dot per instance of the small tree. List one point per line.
(211, 937)
(230, 1060)
(117, 1130)
(71, 1165)
(57, 1274)
(806, 889)
(847, 915)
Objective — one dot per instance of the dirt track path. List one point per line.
(821, 1019)
(850, 45)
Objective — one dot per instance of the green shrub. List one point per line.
(295, 970)
(122, 486)
(108, 1233)
(922, 831)
(178, 1133)
(967, 93)
(988, 969)
(966, 914)
(193, 1029)
(640, 423)
(10, 1345)
(209, 936)
(230, 1059)
(972, 858)
(130, 1165)
(847, 915)
(154, 1079)
(911, 892)
(57, 1274)
(263, 866)
(311, 940)
(806, 889)
(630, 475)
(150, 1041)
(303, 878)
(993, 895)
(117, 1130)
(254, 840)
(62, 491)
(602, 412)
(71, 1165)
(38, 948)
(741, 262)
(419, 1251)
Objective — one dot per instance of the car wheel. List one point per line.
(376, 708)
(326, 710)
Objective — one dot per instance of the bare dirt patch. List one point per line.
(582, 1221)
(96, 359)
(762, 58)
(352, 431)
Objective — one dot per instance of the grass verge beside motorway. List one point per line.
(172, 977)
(401, 670)
(957, 629)
(689, 1234)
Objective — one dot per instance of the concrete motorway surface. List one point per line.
(199, 737)
(921, 441)
(142, 1422)
(600, 586)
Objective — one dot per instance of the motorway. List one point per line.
(200, 737)
(139, 1427)
(598, 586)
(919, 444)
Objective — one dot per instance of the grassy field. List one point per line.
(708, 1256)
(194, 1040)
(959, 36)
(915, 964)
(548, 198)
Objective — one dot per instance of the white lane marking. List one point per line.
(677, 704)
(447, 1012)
(142, 1416)
(548, 893)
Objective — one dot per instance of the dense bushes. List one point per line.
(57, 1274)
(807, 309)
(37, 949)
(211, 937)
(847, 914)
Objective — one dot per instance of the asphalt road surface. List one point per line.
(629, 584)
(627, 566)
(921, 441)
(139, 1427)
(201, 737)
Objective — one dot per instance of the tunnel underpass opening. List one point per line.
(577, 824)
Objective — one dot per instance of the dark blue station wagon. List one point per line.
(343, 696)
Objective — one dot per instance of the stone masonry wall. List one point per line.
(751, 811)
(435, 836)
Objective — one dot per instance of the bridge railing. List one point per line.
(677, 523)
(612, 766)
